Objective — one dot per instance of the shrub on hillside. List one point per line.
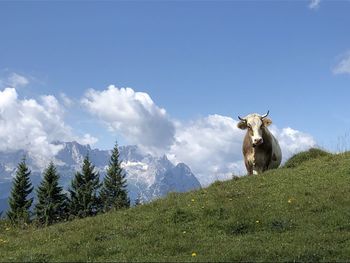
(302, 157)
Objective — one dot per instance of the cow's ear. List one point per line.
(242, 125)
(267, 122)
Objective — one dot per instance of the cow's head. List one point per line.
(255, 124)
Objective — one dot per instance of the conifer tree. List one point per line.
(52, 202)
(19, 202)
(84, 200)
(114, 193)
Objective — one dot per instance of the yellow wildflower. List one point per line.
(289, 200)
(7, 228)
(192, 200)
(257, 221)
(194, 254)
(184, 232)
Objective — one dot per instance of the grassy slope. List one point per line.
(300, 213)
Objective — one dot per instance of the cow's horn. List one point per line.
(265, 115)
(241, 119)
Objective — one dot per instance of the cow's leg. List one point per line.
(250, 171)
(249, 167)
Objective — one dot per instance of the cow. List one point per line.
(261, 150)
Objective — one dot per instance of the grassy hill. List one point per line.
(300, 213)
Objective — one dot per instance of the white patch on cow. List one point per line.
(251, 157)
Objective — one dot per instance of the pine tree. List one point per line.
(114, 193)
(51, 206)
(19, 203)
(83, 193)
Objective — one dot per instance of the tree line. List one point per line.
(87, 195)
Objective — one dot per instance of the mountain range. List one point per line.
(148, 177)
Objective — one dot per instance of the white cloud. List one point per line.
(314, 4)
(292, 141)
(343, 64)
(133, 114)
(16, 80)
(68, 102)
(33, 125)
(212, 146)
(87, 139)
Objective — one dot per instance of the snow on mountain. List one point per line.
(178, 178)
(147, 175)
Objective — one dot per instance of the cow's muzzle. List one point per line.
(257, 142)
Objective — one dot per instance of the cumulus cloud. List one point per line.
(343, 64)
(314, 4)
(33, 125)
(87, 139)
(133, 114)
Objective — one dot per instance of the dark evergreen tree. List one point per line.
(19, 202)
(114, 193)
(52, 202)
(84, 200)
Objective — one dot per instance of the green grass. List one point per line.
(287, 214)
(299, 158)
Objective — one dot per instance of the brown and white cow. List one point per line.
(261, 150)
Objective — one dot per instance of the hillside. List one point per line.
(300, 213)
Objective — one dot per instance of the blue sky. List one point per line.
(192, 58)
